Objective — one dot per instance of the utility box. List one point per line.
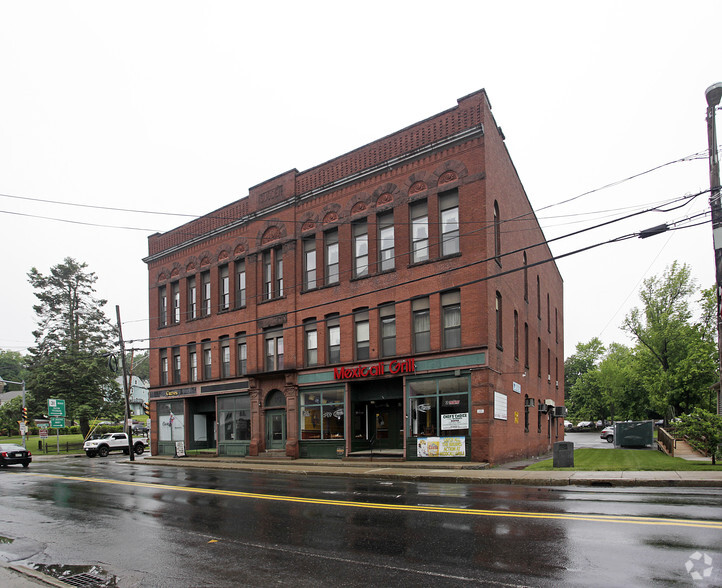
(634, 434)
(563, 454)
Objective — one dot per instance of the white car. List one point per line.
(608, 434)
(112, 442)
(568, 424)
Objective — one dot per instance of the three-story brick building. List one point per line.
(398, 300)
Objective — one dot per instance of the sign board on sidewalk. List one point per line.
(56, 407)
(180, 449)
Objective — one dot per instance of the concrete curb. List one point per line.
(13, 576)
(451, 473)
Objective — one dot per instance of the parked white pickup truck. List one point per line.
(112, 442)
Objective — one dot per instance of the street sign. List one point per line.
(43, 433)
(22, 428)
(57, 422)
(56, 407)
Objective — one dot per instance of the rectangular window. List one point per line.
(439, 407)
(360, 249)
(311, 336)
(322, 414)
(241, 354)
(207, 361)
(176, 365)
(175, 294)
(387, 328)
(499, 330)
(449, 217)
(516, 335)
(192, 363)
(422, 324)
(240, 284)
(163, 306)
(331, 253)
(538, 357)
(206, 293)
(333, 338)
(451, 315)
(272, 273)
(234, 418)
(267, 276)
(192, 298)
(171, 421)
(419, 232)
(274, 350)
(164, 367)
(309, 263)
(387, 254)
(526, 345)
(225, 358)
(361, 334)
(224, 288)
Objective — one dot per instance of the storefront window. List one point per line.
(322, 414)
(439, 407)
(171, 422)
(234, 417)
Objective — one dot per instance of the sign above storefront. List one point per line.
(396, 367)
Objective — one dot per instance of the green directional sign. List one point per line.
(57, 422)
(56, 407)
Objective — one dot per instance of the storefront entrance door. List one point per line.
(275, 429)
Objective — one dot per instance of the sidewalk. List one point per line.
(21, 577)
(459, 472)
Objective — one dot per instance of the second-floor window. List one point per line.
(333, 339)
(274, 350)
(361, 331)
(164, 367)
(176, 365)
(207, 361)
(241, 353)
(387, 328)
(451, 316)
(225, 358)
(192, 362)
(421, 324)
(499, 329)
(311, 336)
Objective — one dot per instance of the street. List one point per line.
(150, 525)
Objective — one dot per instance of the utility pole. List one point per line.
(714, 95)
(126, 388)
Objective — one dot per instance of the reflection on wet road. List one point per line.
(156, 526)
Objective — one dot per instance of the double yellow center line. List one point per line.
(634, 520)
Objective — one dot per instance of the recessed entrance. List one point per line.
(378, 417)
(275, 429)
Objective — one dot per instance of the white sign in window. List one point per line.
(451, 422)
(499, 406)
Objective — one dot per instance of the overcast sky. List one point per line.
(180, 107)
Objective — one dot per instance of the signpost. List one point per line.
(56, 412)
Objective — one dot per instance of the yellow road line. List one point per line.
(636, 520)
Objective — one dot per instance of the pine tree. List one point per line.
(72, 337)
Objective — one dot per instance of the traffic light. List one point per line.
(25, 413)
(146, 408)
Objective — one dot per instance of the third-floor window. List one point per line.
(386, 241)
(419, 232)
(309, 263)
(449, 216)
(331, 256)
(360, 249)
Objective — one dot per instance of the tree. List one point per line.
(581, 387)
(140, 364)
(72, 337)
(703, 429)
(13, 367)
(672, 352)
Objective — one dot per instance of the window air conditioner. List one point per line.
(560, 411)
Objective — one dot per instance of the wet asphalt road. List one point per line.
(167, 526)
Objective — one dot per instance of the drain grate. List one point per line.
(85, 581)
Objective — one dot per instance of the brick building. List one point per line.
(397, 300)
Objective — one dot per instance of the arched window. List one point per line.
(275, 398)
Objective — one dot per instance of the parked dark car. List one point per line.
(140, 430)
(11, 454)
